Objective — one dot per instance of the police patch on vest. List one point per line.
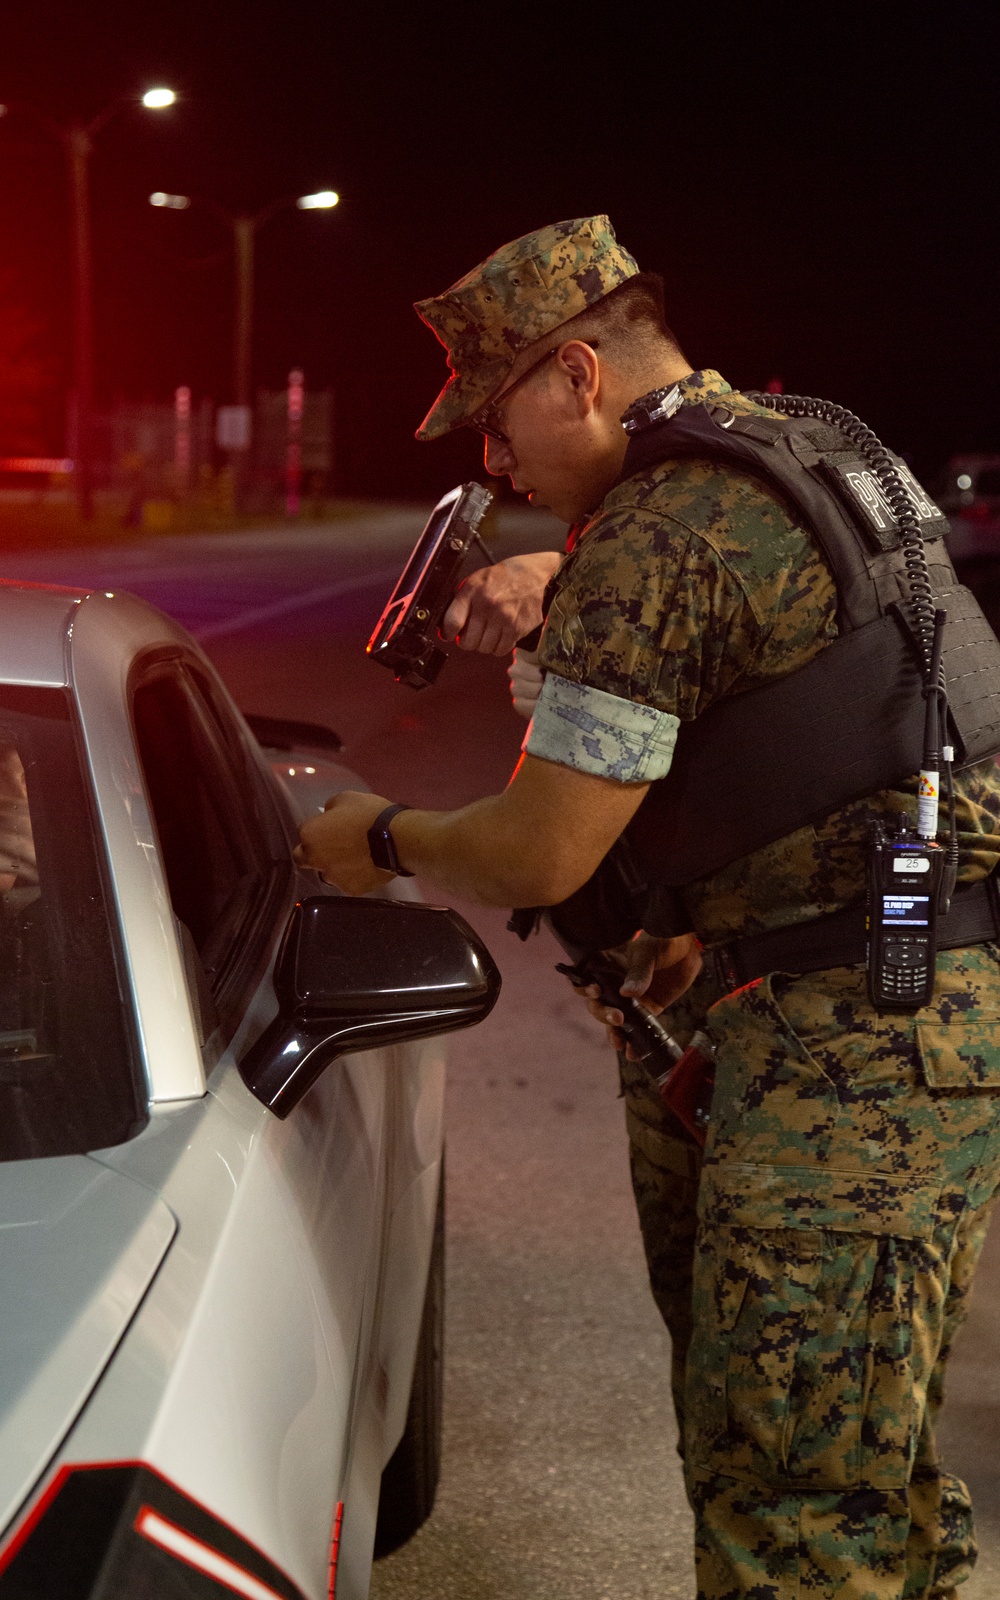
(860, 488)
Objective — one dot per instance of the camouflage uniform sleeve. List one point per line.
(592, 731)
(647, 610)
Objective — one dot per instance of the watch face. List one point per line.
(380, 846)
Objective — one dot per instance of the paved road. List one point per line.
(560, 1479)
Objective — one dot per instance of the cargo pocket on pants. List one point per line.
(961, 1068)
(805, 1371)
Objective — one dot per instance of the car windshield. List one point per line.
(69, 1079)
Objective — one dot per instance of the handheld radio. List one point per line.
(904, 881)
(910, 876)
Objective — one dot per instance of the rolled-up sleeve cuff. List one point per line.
(600, 733)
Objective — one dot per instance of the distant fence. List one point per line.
(175, 451)
(177, 446)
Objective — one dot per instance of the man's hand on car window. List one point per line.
(335, 843)
(498, 605)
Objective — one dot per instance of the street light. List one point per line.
(244, 230)
(77, 140)
(325, 200)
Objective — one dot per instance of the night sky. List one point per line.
(817, 184)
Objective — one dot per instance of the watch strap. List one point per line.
(383, 846)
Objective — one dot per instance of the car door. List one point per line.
(253, 1378)
(272, 1379)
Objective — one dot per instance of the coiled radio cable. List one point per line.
(927, 621)
(870, 447)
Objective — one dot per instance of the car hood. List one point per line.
(79, 1245)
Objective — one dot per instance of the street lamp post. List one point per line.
(243, 246)
(78, 146)
(244, 230)
(77, 139)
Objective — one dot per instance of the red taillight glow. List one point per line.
(201, 1556)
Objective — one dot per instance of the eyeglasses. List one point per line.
(488, 419)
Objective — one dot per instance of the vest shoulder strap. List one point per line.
(814, 470)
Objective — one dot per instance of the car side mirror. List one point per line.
(353, 974)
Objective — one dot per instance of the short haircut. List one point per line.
(627, 319)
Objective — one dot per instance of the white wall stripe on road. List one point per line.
(201, 1556)
(297, 602)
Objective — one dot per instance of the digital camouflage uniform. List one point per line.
(813, 1268)
(822, 1253)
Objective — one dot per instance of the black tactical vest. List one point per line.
(757, 765)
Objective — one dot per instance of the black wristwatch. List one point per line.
(383, 846)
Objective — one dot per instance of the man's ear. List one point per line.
(579, 365)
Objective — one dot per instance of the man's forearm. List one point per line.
(534, 844)
(476, 854)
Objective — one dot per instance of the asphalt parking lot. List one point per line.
(560, 1477)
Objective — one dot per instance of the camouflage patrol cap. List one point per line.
(514, 297)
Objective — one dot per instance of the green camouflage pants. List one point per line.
(841, 1209)
(666, 1168)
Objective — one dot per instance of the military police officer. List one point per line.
(813, 1267)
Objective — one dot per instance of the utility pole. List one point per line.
(77, 144)
(244, 229)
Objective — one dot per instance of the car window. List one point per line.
(260, 796)
(70, 1072)
(219, 851)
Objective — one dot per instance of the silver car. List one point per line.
(220, 1254)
